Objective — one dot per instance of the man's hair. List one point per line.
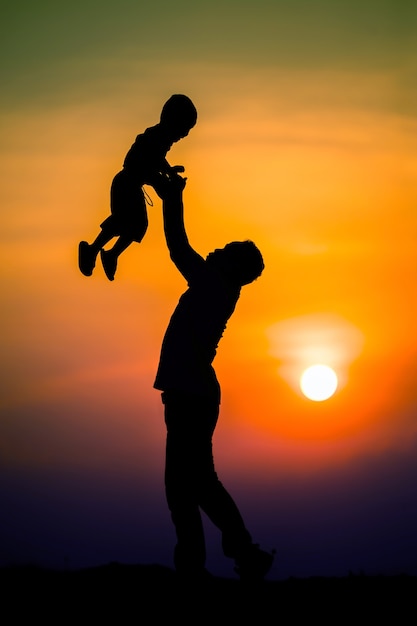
(179, 110)
(241, 261)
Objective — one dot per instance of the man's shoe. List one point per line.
(253, 564)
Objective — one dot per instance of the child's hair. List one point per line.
(179, 110)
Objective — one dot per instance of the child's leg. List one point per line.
(132, 221)
(120, 245)
(109, 257)
(128, 221)
(100, 241)
(87, 253)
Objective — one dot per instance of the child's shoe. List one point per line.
(253, 564)
(109, 261)
(86, 258)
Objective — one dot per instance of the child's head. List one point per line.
(178, 116)
(240, 261)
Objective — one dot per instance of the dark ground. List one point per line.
(145, 594)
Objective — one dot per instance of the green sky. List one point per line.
(50, 49)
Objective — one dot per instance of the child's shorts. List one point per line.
(128, 217)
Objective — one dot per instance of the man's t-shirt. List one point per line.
(193, 333)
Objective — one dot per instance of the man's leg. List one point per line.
(191, 481)
(180, 488)
(213, 497)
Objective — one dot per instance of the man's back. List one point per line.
(194, 332)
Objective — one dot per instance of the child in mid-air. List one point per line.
(145, 163)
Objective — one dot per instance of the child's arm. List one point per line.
(162, 174)
(187, 260)
(171, 169)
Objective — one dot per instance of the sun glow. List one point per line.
(318, 382)
(301, 342)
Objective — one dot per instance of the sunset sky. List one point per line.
(306, 144)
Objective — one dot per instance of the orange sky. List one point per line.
(305, 143)
(323, 184)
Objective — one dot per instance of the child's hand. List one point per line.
(177, 168)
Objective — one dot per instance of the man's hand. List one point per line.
(169, 186)
(187, 260)
(177, 182)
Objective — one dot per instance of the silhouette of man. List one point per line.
(191, 395)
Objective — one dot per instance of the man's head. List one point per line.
(240, 261)
(178, 116)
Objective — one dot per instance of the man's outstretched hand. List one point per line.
(168, 186)
(182, 254)
(177, 182)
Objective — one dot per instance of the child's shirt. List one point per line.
(146, 158)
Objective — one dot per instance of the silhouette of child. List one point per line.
(191, 395)
(145, 163)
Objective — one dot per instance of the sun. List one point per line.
(318, 382)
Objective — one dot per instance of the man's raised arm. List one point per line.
(187, 260)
